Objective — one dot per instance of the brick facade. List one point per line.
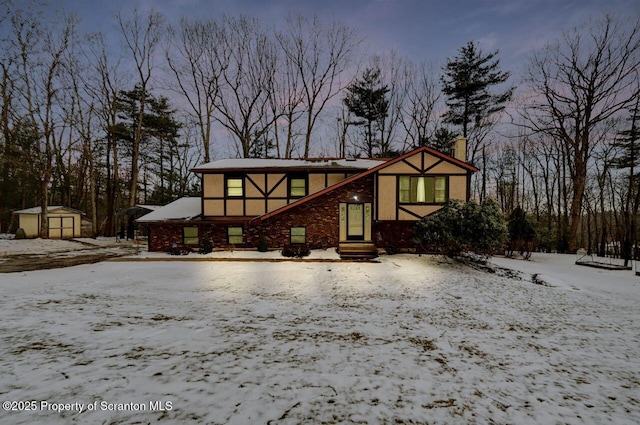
(320, 216)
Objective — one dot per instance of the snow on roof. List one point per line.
(149, 207)
(180, 209)
(38, 210)
(248, 163)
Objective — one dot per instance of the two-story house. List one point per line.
(357, 205)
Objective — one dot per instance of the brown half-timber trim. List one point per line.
(468, 167)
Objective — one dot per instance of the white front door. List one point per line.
(355, 222)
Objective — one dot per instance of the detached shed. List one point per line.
(64, 222)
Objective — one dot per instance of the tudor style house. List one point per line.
(357, 205)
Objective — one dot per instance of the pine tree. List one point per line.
(442, 140)
(628, 146)
(206, 246)
(522, 232)
(466, 82)
(367, 99)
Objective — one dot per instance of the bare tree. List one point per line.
(103, 83)
(422, 96)
(191, 56)
(320, 54)
(287, 104)
(393, 74)
(40, 60)
(141, 35)
(247, 65)
(580, 81)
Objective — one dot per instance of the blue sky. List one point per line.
(423, 30)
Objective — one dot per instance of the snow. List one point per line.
(560, 270)
(10, 246)
(180, 209)
(407, 340)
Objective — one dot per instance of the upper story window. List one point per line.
(297, 185)
(423, 189)
(234, 186)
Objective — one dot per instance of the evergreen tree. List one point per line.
(522, 232)
(466, 82)
(628, 147)
(367, 99)
(442, 140)
(206, 246)
(159, 146)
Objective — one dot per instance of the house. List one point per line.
(64, 222)
(358, 205)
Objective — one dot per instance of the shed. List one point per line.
(64, 222)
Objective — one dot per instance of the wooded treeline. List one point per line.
(103, 121)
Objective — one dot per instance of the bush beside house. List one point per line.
(460, 227)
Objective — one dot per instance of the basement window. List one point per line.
(190, 236)
(235, 235)
(298, 235)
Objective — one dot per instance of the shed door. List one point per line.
(60, 227)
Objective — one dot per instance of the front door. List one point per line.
(355, 222)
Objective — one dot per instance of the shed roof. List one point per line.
(181, 209)
(50, 208)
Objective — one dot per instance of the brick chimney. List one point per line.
(460, 149)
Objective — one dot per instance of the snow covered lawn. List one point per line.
(409, 340)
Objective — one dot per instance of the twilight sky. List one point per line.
(423, 30)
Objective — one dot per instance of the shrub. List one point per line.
(206, 246)
(460, 227)
(262, 244)
(295, 250)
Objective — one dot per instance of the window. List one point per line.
(423, 190)
(234, 235)
(297, 186)
(298, 235)
(235, 186)
(190, 235)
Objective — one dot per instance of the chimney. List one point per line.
(460, 149)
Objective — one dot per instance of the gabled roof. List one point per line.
(470, 168)
(50, 208)
(245, 164)
(181, 209)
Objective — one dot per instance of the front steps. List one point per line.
(357, 250)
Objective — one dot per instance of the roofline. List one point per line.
(275, 169)
(309, 166)
(470, 168)
(49, 209)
